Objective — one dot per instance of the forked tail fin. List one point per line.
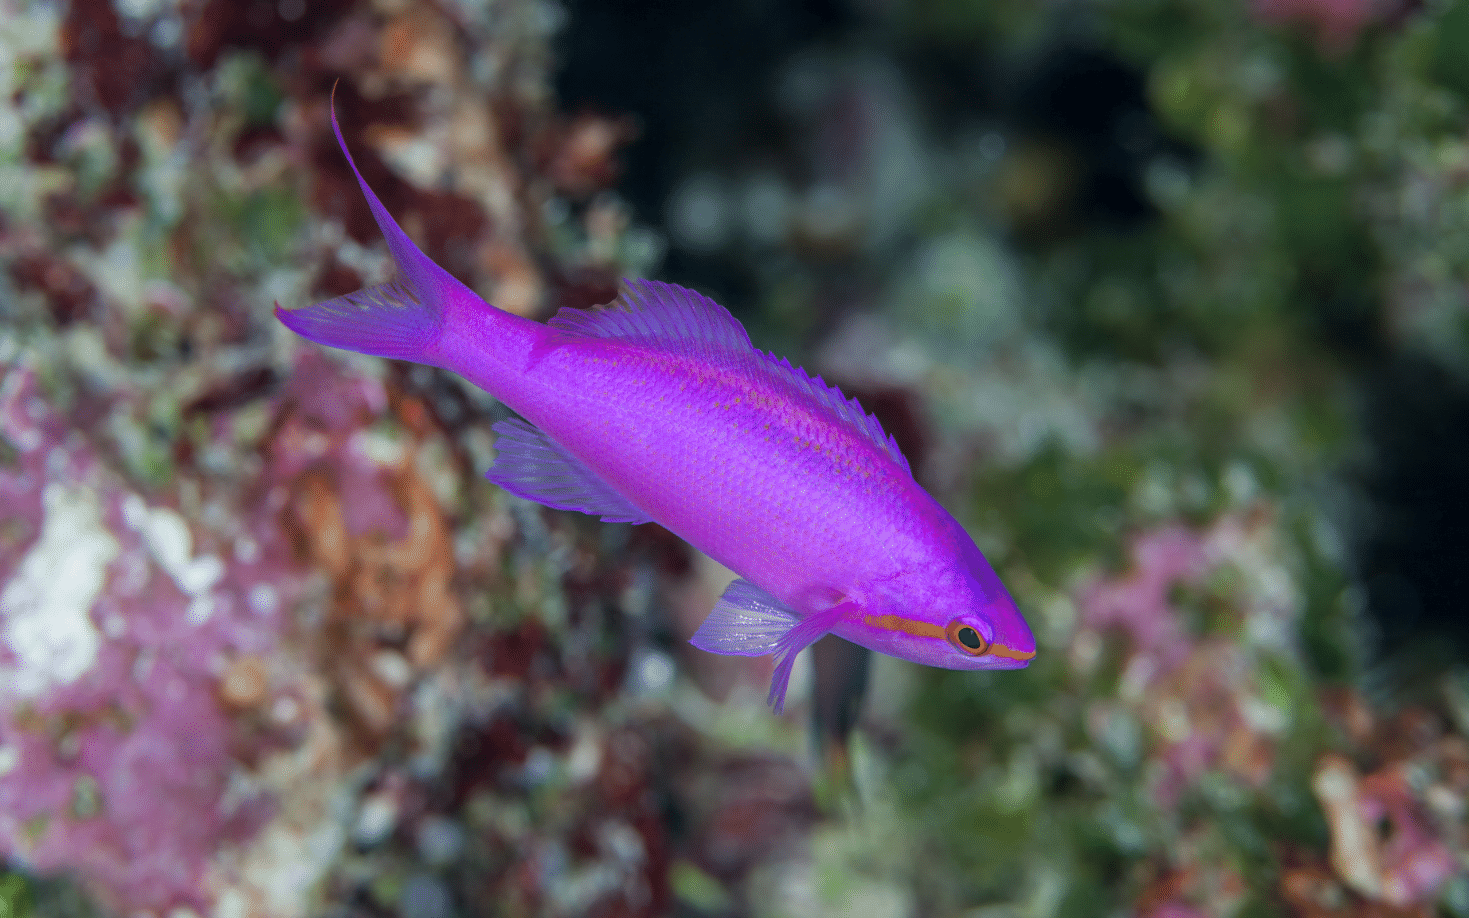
(403, 318)
(388, 320)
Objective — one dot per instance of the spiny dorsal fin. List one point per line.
(849, 410)
(684, 322)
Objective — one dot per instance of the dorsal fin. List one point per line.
(681, 321)
(665, 315)
(848, 410)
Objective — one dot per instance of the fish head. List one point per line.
(947, 623)
(993, 635)
(1006, 641)
(955, 615)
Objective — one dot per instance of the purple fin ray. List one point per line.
(670, 316)
(400, 319)
(534, 466)
(388, 320)
(684, 322)
(746, 622)
(812, 628)
(847, 409)
(749, 622)
(418, 269)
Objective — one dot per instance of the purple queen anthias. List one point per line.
(656, 408)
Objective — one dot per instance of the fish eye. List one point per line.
(966, 638)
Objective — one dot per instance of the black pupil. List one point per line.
(970, 638)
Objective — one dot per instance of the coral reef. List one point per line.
(1147, 291)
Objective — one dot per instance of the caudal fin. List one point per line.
(388, 320)
(402, 319)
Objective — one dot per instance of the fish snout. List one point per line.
(1013, 644)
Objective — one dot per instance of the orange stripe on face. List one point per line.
(1000, 650)
(906, 625)
(929, 630)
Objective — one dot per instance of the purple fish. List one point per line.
(656, 408)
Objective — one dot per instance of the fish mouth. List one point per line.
(1000, 663)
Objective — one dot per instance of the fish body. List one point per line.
(657, 407)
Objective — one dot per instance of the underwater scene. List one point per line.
(1135, 582)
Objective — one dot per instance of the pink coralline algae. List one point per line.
(1203, 690)
(1337, 23)
(1385, 842)
(364, 514)
(1138, 602)
(143, 687)
(1199, 692)
(120, 620)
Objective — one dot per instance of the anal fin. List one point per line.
(532, 465)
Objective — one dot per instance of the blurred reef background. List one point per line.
(1165, 299)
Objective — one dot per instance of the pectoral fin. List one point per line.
(747, 621)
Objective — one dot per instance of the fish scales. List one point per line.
(742, 464)
(657, 407)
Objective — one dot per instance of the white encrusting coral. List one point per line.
(46, 607)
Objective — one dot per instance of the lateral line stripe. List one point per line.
(928, 629)
(906, 625)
